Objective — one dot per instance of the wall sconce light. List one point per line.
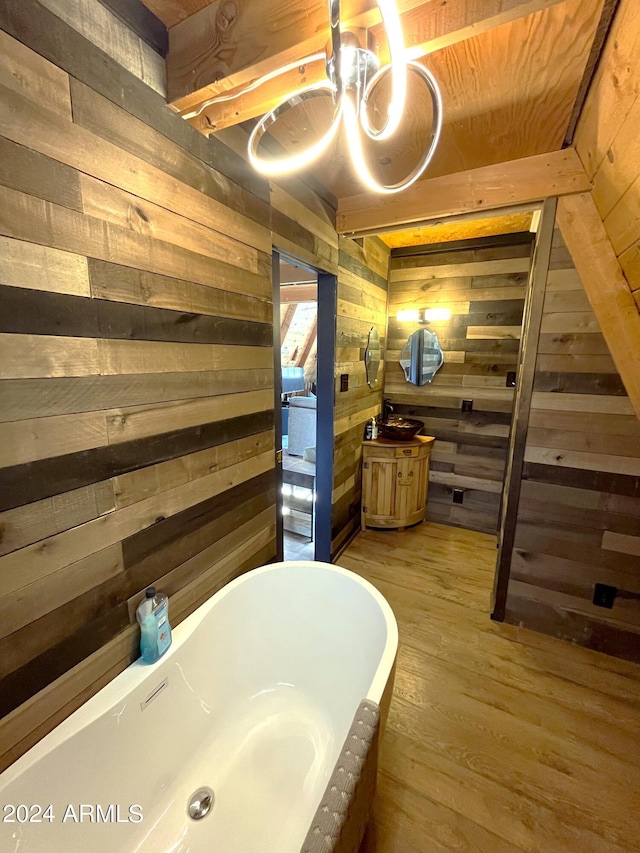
(424, 315)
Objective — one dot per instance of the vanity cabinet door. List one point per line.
(394, 482)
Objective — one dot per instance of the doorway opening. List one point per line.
(299, 406)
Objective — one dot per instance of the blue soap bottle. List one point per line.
(155, 631)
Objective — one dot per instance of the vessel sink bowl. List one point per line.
(400, 429)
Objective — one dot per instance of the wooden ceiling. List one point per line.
(509, 71)
(467, 229)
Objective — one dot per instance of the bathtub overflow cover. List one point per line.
(200, 803)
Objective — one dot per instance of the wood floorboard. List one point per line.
(498, 739)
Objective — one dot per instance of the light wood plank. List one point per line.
(621, 542)
(613, 91)
(32, 356)
(590, 441)
(42, 268)
(316, 221)
(32, 76)
(603, 423)
(606, 286)
(461, 482)
(124, 284)
(567, 279)
(620, 168)
(42, 438)
(596, 403)
(622, 223)
(123, 357)
(494, 333)
(103, 201)
(515, 182)
(583, 461)
(130, 423)
(154, 479)
(630, 264)
(565, 301)
(41, 519)
(580, 323)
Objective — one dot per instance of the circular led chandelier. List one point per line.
(353, 74)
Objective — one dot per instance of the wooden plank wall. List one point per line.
(136, 367)
(484, 287)
(578, 520)
(362, 303)
(608, 144)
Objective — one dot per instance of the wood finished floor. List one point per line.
(499, 739)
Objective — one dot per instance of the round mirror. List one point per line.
(421, 357)
(372, 357)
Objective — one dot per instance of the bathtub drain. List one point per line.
(200, 803)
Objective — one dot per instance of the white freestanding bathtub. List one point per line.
(253, 700)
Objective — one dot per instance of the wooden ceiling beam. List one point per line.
(308, 344)
(206, 61)
(515, 182)
(606, 286)
(296, 293)
(286, 322)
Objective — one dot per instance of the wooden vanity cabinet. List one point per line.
(395, 478)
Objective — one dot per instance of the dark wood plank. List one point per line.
(598, 481)
(287, 233)
(33, 173)
(33, 481)
(142, 22)
(19, 686)
(464, 252)
(513, 279)
(35, 312)
(126, 284)
(476, 419)
(172, 541)
(348, 262)
(345, 511)
(579, 383)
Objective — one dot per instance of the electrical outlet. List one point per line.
(344, 381)
(467, 406)
(604, 595)
(458, 496)
(511, 379)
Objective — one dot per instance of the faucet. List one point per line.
(387, 409)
